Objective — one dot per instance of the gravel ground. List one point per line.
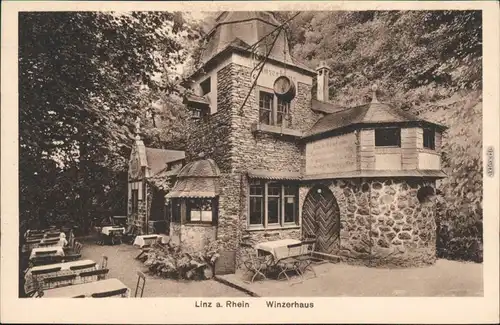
(443, 279)
(123, 266)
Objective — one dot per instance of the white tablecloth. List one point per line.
(107, 229)
(279, 249)
(86, 289)
(59, 250)
(143, 240)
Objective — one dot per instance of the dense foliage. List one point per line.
(427, 62)
(169, 261)
(84, 79)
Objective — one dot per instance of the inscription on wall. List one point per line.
(331, 155)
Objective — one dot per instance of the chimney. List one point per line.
(322, 92)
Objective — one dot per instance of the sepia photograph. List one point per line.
(280, 154)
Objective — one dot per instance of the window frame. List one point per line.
(201, 221)
(274, 112)
(262, 198)
(398, 139)
(431, 143)
(270, 111)
(282, 203)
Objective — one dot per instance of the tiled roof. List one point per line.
(157, 159)
(325, 107)
(200, 168)
(197, 179)
(195, 188)
(379, 173)
(371, 113)
(277, 175)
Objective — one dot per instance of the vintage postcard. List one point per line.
(251, 162)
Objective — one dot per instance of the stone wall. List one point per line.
(265, 151)
(144, 203)
(211, 135)
(195, 237)
(383, 223)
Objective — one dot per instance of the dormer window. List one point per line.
(429, 138)
(389, 137)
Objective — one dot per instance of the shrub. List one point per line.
(170, 261)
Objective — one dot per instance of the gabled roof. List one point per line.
(372, 113)
(157, 159)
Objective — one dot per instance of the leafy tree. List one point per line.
(84, 79)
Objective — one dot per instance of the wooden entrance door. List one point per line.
(321, 218)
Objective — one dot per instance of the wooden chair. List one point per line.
(60, 281)
(89, 275)
(104, 262)
(37, 277)
(257, 265)
(290, 263)
(141, 283)
(115, 236)
(71, 246)
(130, 233)
(78, 247)
(307, 257)
(113, 293)
(81, 267)
(75, 253)
(103, 266)
(36, 288)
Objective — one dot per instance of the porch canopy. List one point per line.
(198, 179)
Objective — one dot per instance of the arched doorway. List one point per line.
(321, 218)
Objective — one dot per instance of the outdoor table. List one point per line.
(148, 240)
(59, 250)
(278, 248)
(86, 289)
(107, 230)
(65, 270)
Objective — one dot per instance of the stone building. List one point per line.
(267, 158)
(151, 174)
